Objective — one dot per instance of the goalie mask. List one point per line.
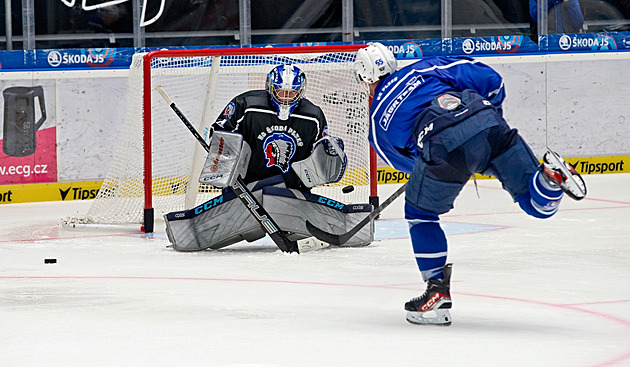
(285, 85)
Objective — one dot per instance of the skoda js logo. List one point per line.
(468, 46)
(54, 58)
(564, 42)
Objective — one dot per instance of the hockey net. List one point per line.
(158, 161)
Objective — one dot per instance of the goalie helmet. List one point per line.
(374, 62)
(285, 85)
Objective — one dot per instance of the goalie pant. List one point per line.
(223, 221)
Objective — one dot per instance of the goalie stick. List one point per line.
(340, 239)
(245, 195)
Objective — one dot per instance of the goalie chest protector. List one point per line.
(275, 144)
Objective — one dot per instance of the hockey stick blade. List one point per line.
(247, 198)
(340, 239)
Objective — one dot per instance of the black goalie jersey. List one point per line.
(275, 143)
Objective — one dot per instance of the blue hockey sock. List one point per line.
(429, 242)
(543, 198)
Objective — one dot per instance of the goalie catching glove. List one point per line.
(326, 164)
(227, 159)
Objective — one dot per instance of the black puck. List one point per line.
(50, 261)
(347, 189)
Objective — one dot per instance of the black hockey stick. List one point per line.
(269, 225)
(340, 239)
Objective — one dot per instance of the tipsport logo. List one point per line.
(77, 193)
(501, 45)
(390, 176)
(408, 50)
(93, 57)
(588, 167)
(600, 43)
(5, 197)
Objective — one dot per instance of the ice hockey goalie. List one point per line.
(276, 141)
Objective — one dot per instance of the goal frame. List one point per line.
(148, 215)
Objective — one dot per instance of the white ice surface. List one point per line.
(526, 292)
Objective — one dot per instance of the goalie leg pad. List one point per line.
(292, 208)
(217, 223)
(223, 221)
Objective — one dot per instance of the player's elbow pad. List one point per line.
(227, 160)
(326, 164)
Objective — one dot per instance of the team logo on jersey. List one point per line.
(229, 110)
(279, 149)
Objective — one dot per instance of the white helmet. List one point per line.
(374, 62)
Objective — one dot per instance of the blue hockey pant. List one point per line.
(443, 170)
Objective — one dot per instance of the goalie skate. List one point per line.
(556, 171)
(311, 244)
(432, 308)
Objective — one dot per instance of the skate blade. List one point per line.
(574, 186)
(439, 317)
(311, 244)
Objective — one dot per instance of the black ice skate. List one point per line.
(557, 172)
(432, 307)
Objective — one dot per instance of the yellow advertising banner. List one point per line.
(385, 175)
(58, 191)
(583, 165)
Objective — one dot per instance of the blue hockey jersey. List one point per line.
(402, 96)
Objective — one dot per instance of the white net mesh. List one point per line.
(201, 92)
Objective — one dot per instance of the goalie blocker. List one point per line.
(227, 159)
(221, 221)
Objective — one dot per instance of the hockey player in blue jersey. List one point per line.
(440, 120)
